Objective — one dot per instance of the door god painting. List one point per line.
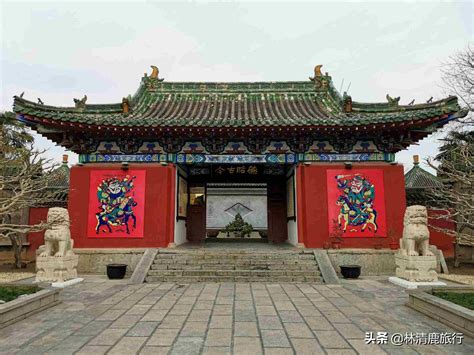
(356, 201)
(116, 204)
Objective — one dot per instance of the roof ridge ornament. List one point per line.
(155, 72)
(317, 72)
(347, 103)
(80, 103)
(126, 104)
(392, 101)
(321, 82)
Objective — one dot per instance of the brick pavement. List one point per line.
(101, 316)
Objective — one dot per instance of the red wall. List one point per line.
(443, 241)
(159, 207)
(35, 216)
(312, 204)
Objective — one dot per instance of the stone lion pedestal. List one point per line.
(415, 263)
(55, 260)
(54, 269)
(416, 268)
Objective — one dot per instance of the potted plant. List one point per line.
(238, 227)
(394, 240)
(336, 235)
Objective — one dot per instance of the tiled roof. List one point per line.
(235, 105)
(418, 178)
(58, 187)
(59, 177)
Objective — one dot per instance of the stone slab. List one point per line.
(67, 283)
(412, 285)
(327, 270)
(141, 270)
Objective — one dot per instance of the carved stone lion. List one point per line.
(57, 240)
(415, 240)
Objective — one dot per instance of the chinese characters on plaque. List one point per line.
(236, 170)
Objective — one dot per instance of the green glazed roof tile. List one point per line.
(162, 104)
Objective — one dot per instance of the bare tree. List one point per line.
(458, 79)
(454, 164)
(25, 181)
(454, 198)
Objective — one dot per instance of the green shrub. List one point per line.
(9, 293)
(459, 298)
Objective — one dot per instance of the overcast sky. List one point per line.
(61, 50)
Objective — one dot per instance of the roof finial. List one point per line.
(125, 105)
(416, 159)
(430, 100)
(155, 72)
(392, 100)
(80, 103)
(40, 101)
(317, 72)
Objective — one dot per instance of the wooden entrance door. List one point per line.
(196, 214)
(277, 224)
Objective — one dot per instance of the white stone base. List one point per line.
(56, 269)
(67, 283)
(416, 268)
(411, 285)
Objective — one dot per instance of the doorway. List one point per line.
(216, 200)
(229, 203)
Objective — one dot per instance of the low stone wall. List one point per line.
(374, 262)
(27, 305)
(446, 312)
(94, 261)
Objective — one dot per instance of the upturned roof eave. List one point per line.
(70, 125)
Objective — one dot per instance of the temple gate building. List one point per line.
(177, 161)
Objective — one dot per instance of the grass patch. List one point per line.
(9, 293)
(462, 299)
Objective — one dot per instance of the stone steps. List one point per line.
(234, 256)
(250, 273)
(222, 261)
(232, 266)
(204, 265)
(192, 279)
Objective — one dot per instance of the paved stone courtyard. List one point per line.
(101, 316)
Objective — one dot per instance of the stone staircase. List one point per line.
(234, 266)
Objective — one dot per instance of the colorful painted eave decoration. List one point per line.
(235, 159)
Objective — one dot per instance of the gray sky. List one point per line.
(61, 50)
